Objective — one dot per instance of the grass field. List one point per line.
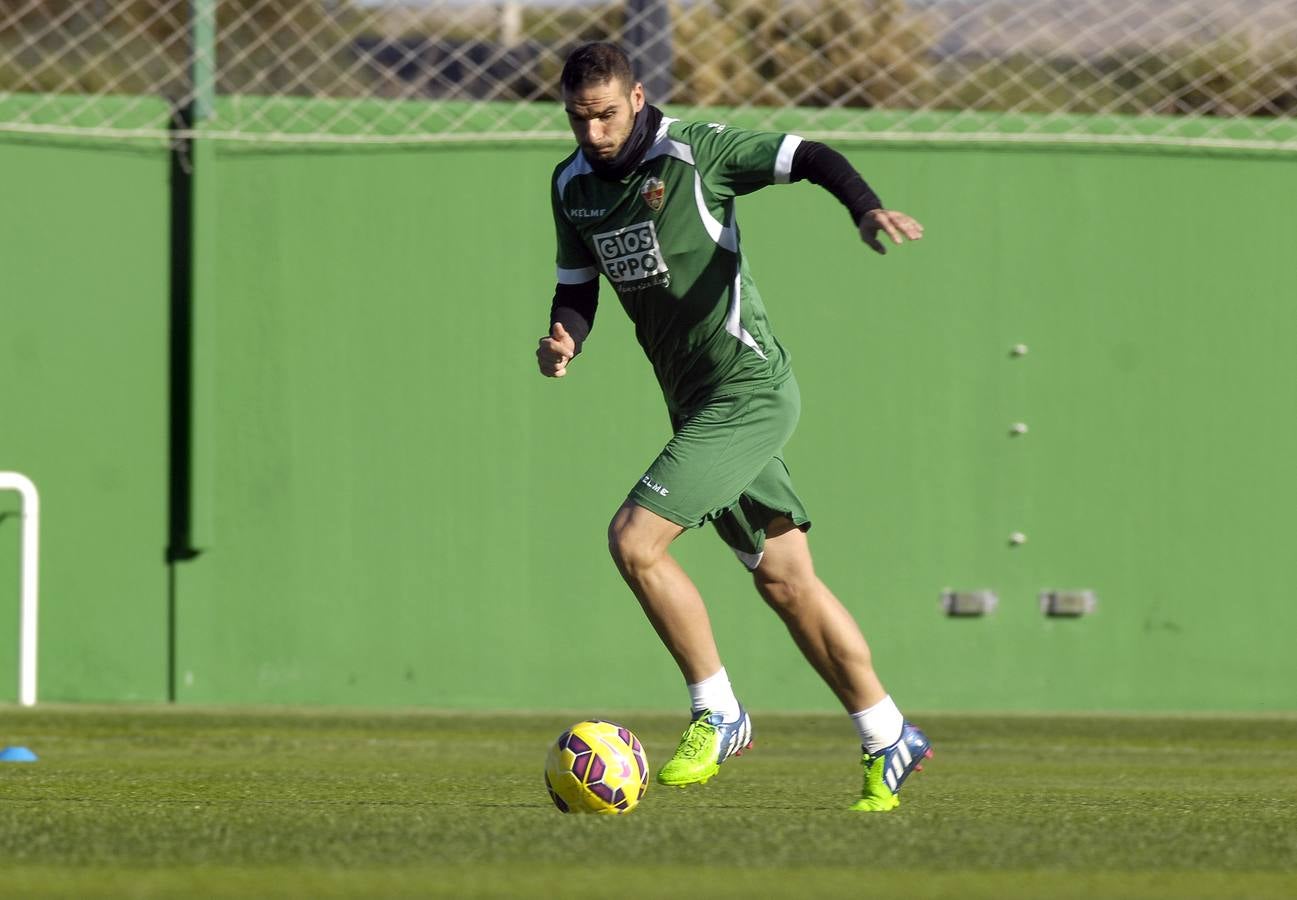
(161, 802)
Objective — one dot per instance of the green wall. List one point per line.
(394, 508)
(83, 407)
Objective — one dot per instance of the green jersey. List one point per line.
(667, 240)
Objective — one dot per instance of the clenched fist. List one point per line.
(555, 351)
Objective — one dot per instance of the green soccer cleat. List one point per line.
(706, 743)
(886, 770)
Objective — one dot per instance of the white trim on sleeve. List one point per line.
(784, 159)
(576, 276)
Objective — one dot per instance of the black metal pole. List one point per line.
(648, 42)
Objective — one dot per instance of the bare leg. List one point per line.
(824, 630)
(638, 540)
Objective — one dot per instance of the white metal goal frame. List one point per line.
(27, 615)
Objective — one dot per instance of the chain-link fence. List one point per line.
(1214, 73)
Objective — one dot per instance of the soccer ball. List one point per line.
(596, 767)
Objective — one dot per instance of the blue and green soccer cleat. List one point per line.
(706, 743)
(886, 770)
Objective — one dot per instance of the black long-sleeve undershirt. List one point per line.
(574, 305)
(821, 164)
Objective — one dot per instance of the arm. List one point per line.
(576, 295)
(571, 316)
(574, 307)
(822, 165)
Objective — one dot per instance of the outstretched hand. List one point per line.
(898, 226)
(555, 351)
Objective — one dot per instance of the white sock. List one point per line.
(715, 693)
(879, 726)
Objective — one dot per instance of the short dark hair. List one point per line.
(596, 63)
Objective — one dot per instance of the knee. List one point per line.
(631, 549)
(784, 594)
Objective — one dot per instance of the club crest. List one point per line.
(653, 192)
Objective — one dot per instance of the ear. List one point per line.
(637, 97)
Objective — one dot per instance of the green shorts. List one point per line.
(724, 465)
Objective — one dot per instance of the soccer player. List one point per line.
(648, 201)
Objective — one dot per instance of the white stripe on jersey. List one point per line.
(578, 166)
(784, 159)
(665, 146)
(734, 318)
(723, 235)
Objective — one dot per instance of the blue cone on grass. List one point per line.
(17, 754)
